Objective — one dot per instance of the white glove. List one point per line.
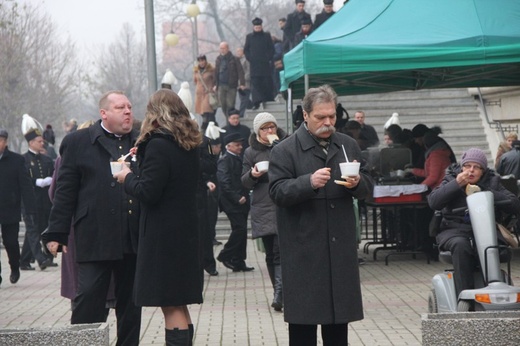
(47, 181)
(39, 182)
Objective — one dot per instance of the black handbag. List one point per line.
(435, 224)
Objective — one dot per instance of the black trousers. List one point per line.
(235, 248)
(305, 334)
(272, 249)
(31, 247)
(12, 247)
(261, 89)
(206, 236)
(89, 304)
(464, 262)
(212, 213)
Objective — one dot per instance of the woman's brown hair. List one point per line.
(167, 114)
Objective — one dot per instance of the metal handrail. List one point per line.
(493, 124)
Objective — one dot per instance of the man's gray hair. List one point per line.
(321, 94)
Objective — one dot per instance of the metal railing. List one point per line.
(493, 124)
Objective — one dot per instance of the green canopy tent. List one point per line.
(373, 46)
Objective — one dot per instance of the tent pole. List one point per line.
(306, 79)
(288, 111)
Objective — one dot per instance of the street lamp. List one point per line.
(172, 39)
(193, 11)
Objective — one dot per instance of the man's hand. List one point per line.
(211, 186)
(320, 177)
(53, 247)
(242, 200)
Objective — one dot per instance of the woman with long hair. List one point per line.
(168, 269)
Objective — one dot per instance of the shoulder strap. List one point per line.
(203, 84)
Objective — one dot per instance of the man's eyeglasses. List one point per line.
(267, 128)
(468, 166)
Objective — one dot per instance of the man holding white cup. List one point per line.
(316, 223)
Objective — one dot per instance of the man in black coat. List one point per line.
(106, 219)
(40, 168)
(294, 23)
(234, 126)
(234, 201)
(15, 187)
(259, 51)
(326, 13)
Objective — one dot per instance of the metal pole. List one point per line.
(196, 36)
(150, 46)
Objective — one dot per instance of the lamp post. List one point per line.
(172, 39)
(193, 11)
(150, 46)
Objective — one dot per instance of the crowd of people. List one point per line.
(253, 72)
(133, 207)
(153, 220)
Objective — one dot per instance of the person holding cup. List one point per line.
(168, 272)
(263, 211)
(316, 223)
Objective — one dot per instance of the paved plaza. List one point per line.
(236, 309)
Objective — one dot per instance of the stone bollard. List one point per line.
(471, 328)
(94, 334)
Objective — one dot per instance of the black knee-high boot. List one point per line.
(278, 295)
(192, 332)
(177, 337)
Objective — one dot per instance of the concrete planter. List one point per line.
(95, 334)
(471, 328)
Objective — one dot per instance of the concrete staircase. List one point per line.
(454, 110)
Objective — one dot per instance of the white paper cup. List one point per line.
(262, 166)
(349, 169)
(117, 166)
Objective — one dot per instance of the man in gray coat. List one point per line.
(316, 224)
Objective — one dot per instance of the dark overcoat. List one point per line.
(259, 51)
(263, 210)
(317, 230)
(168, 269)
(39, 167)
(106, 219)
(15, 187)
(231, 190)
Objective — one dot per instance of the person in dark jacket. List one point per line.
(234, 201)
(317, 225)
(326, 13)
(234, 126)
(263, 210)
(305, 30)
(168, 269)
(510, 162)
(456, 229)
(367, 131)
(40, 168)
(229, 77)
(15, 187)
(293, 23)
(106, 219)
(259, 51)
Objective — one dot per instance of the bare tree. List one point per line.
(121, 66)
(36, 69)
(219, 20)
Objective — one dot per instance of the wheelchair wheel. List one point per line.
(464, 306)
(432, 303)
